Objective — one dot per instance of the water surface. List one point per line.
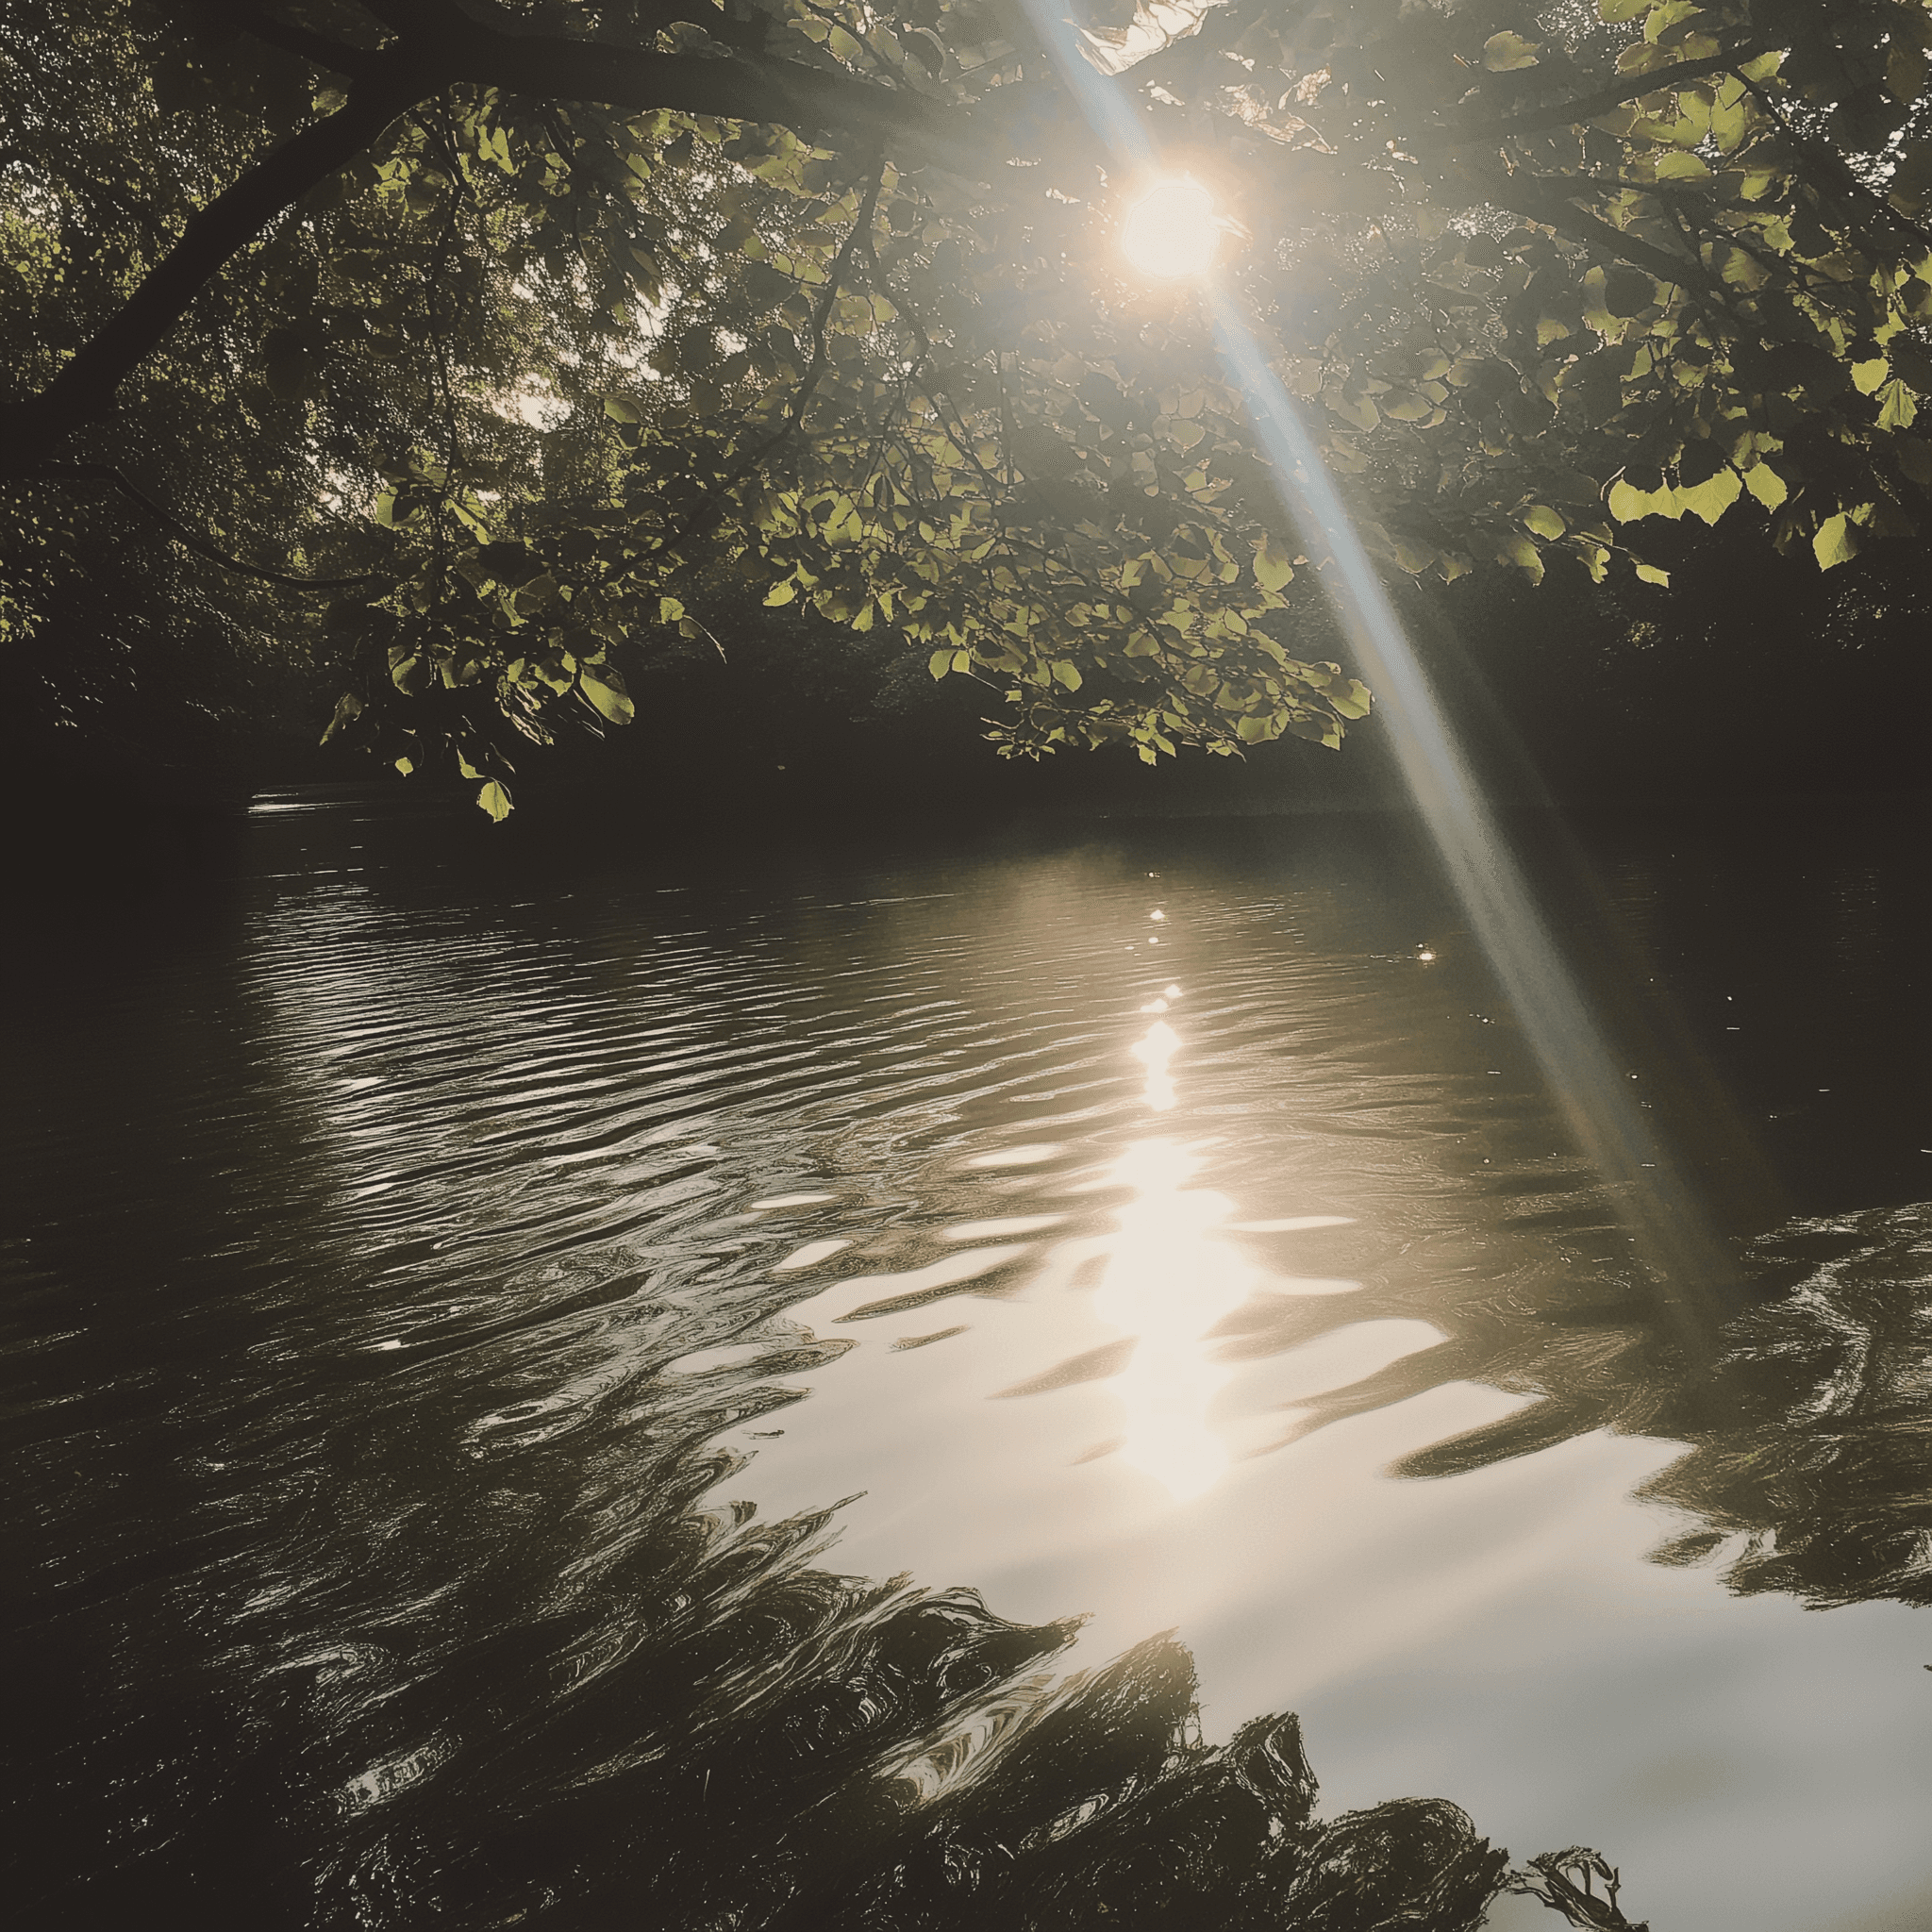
(450, 1288)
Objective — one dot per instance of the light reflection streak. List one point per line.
(1168, 1281)
(1556, 1021)
(1503, 911)
(1154, 1050)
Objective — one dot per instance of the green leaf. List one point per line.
(781, 593)
(605, 691)
(494, 800)
(1352, 700)
(1629, 504)
(939, 663)
(622, 410)
(348, 708)
(1713, 497)
(1836, 542)
(1273, 570)
(408, 670)
(1766, 485)
(1649, 573)
(1523, 553)
(1738, 267)
(1506, 52)
(1545, 522)
(1904, 73)
(1915, 459)
(1360, 410)
(1628, 291)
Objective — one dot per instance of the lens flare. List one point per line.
(1171, 230)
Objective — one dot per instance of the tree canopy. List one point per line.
(495, 336)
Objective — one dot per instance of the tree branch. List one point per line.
(744, 86)
(711, 512)
(1633, 86)
(783, 94)
(440, 45)
(332, 56)
(1542, 201)
(85, 387)
(1836, 167)
(106, 472)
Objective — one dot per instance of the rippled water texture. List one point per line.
(447, 1291)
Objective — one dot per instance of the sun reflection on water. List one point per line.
(1154, 1050)
(1168, 1281)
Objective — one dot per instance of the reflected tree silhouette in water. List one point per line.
(1580, 1884)
(1818, 1463)
(1808, 1431)
(533, 1685)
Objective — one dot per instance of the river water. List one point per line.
(521, 1355)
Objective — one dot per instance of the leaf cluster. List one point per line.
(539, 363)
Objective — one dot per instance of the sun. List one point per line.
(1173, 231)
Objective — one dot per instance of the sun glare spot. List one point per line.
(1154, 1049)
(1171, 230)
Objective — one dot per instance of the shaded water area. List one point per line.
(598, 1387)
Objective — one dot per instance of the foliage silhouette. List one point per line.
(428, 1654)
(1826, 1404)
(1808, 1429)
(1538, 279)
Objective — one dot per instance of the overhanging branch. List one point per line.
(332, 56)
(440, 45)
(106, 472)
(84, 390)
(1836, 168)
(1632, 88)
(712, 510)
(1550, 202)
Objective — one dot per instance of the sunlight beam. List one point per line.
(1663, 1213)
(1515, 938)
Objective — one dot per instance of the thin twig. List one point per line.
(106, 472)
(1634, 87)
(713, 508)
(1822, 157)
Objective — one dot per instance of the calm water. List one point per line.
(485, 1331)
